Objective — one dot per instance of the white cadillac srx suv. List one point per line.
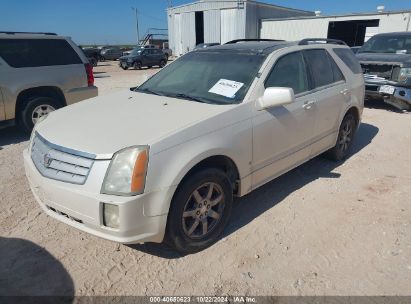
(162, 162)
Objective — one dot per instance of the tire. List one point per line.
(93, 62)
(124, 68)
(167, 57)
(102, 58)
(191, 208)
(345, 138)
(35, 108)
(138, 65)
(162, 63)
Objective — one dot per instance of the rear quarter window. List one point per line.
(21, 53)
(348, 57)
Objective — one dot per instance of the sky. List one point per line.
(114, 22)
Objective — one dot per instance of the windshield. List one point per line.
(136, 51)
(387, 44)
(210, 77)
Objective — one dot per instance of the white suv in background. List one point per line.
(39, 73)
(162, 162)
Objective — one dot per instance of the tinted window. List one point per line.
(20, 53)
(320, 66)
(338, 75)
(289, 72)
(349, 59)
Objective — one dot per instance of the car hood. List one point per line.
(105, 125)
(126, 57)
(384, 57)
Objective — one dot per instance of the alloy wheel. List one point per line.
(346, 135)
(203, 210)
(41, 111)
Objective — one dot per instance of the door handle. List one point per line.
(308, 104)
(345, 92)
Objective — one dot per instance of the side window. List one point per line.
(348, 57)
(289, 72)
(320, 67)
(20, 53)
(338, 75)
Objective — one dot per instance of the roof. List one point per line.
(340, 16)
(395, 34)
(236, 2)
(264, 47)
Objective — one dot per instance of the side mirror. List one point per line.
(275, 97)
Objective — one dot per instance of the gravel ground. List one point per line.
(322, 229)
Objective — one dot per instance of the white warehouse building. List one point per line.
(354, 29)
(220, 21)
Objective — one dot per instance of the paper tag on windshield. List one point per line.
(227, 88)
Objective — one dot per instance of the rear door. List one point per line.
(331, 96)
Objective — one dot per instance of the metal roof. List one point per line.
(231, 2)
(340, 16)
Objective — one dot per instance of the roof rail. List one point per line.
(38, 33)
(316, 40)
(252, 40)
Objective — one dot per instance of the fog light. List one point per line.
(111, 216)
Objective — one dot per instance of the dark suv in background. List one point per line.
(139, 58)
(386, 62)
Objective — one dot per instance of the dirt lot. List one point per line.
(322, 229)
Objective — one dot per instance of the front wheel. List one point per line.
(162, 63)
(345, 139)
(200, 211)
(138, 65)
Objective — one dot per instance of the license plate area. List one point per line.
(387, 89)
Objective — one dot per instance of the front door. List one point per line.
(282, 136)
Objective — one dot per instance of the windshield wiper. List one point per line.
(193, 98)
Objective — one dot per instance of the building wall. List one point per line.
(224, 20)
(212, 26)
(256, 12)
(317, 27)
(232, 24)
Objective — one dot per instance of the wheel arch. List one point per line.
(42, 91)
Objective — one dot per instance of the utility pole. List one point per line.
(138, 32)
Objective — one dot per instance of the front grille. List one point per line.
(385, 71)
(59, 165)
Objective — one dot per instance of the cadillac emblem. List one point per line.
(47, 160)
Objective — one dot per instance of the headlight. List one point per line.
(405, 74)
(126, 174)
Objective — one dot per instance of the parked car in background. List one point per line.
(205, 45)
(213, 125)
(39, 73)
(386, 63)
(110, 54)
(92, 54)
(355, 49)
(143, 57)
(168, 52)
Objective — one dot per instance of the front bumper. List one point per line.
(77, 207)
(401, 98)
